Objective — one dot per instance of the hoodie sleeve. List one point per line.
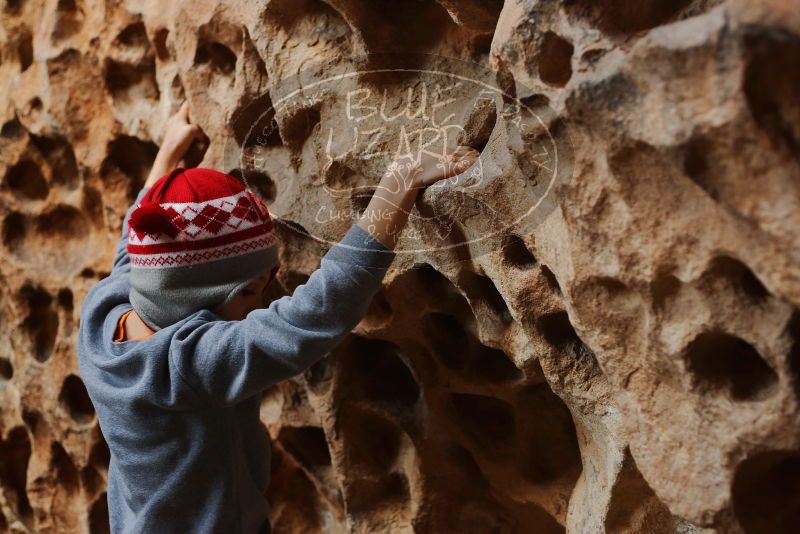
(229, 361)
(122, 264)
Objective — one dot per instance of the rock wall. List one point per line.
(628, 363)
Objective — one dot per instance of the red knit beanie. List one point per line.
(195, 239)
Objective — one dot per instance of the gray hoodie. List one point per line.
(180, 409)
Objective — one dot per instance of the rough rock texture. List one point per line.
(629, 363)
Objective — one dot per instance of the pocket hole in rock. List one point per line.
(628, 16)
(664, 288)
(695, 165)
(64, 298)
(307, 444)
(437, 288)
(633, 502)
(160, 44)
(493, 365)
(482, 292)
(557, 330)
(92, 204)
(75, 400)
(6, 369)
(553, 444)
(25, 50)
(130, 156)
(379, 312)
(217, 56)
(63, 221)
(98, 516)
(765, 492)
(259, 181)
(318, 376)
(68, 21)
(464, 460)
(295, 496)
(16, 452)
(364, 433)
(489, 421)
(32, 419)
(41, 323)
(13, 7)
(35, 104)
(516, 252)
(26, 180)
(65, 470)
(721, 361)
(91, 480)
(771, 86)
(254, 125)
(555, 60)
(384, 376)
(129, 83)
(367, 494)
(12, 129)
(295, 129)
(793, 330)
(14, 229)
(133, 36)
(740, 276)
(100, 455)
(60, 158)
(551, 280)
(449, 339)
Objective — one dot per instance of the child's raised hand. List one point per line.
(179, 134)
(431, 168)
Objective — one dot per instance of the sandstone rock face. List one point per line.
(626, 360)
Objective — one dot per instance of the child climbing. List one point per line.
(175, 346)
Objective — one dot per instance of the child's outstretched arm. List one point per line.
(179, 134)
(225, 362)
(387, 211)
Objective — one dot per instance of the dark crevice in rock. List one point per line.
(217, 56)
(64, 468)
(557, 330)
(75, 400)
(307, 444)
(98, 516)
(25, 179)
(766, 492)
(552, 450)
(720, 361)
(381, 375)
(555, 60)
(41, 323)
(482, 292)
(489, 421)
(516, 253)
(771, 85)
(16, 452)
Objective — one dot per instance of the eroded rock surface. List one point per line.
(629, 364)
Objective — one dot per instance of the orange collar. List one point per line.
(121, 334)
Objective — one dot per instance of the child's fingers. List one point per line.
(467, 160)
(462, 150)
(184, 111)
